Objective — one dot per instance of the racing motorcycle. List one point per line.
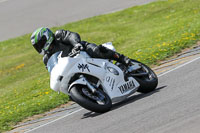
(96, 84)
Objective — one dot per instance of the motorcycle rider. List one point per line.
(47, 43)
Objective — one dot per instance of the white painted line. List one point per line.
(54, 120)
(82, 108)
(179, 66)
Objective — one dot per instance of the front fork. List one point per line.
(96, 95)
(91, 87)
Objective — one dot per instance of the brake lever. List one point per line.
(72, 54)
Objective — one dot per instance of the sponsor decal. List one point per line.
(126, 87)
(111, 81)
(83, 67)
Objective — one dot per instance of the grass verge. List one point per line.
(147, 33)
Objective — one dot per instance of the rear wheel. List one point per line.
(99, 102)
(148, 81)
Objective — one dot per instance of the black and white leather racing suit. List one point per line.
(66, 40)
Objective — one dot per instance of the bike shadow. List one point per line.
(129, 100)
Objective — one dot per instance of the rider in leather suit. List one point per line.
(47, 43)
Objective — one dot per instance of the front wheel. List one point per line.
(99, 102)
(149, 81)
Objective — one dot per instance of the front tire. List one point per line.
(149, 82)
(78, 95)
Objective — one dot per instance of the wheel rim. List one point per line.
(150, 74)
(98, 97)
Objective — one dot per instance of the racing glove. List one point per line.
(78, 46)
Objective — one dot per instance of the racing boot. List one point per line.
(125, 61)
(112, 55)
(122, 59)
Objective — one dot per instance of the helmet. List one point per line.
(41, 39)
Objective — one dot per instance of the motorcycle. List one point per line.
(96, 84)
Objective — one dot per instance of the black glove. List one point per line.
(78, 46)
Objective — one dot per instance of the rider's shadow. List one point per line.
(125, 102)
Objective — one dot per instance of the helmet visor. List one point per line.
(39, 46)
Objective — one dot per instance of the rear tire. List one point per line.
(147, 83)
(86, 102)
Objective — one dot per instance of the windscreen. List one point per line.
(52, 61)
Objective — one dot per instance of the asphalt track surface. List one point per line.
(174, 107)
(18, 17)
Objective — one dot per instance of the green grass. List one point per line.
(147, 33)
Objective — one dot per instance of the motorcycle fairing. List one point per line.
(113, 84)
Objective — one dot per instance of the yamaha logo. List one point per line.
(126, 87)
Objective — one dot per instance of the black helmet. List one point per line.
(41, 39)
